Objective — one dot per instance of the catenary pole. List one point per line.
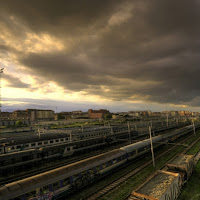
(151, 147)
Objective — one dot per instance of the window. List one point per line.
(66, 181)
(114, 161)
(31, 194)
(44, 189)
(17, 198)
(98, 168)
(39, 143)
(61, 140)
(103, 165)
(25, 158)
(109, 163)
(140, 150)
(12, 148)
(18, 147)
(51, 141)
(56, 185)
(46, 142)
(57, 140)
(33, 144)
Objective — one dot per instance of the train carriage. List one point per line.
(63, 180)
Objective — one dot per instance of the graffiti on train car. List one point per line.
(47, 196)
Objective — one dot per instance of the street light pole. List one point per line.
(151, 146)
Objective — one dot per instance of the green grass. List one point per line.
(193, 138)
(111, 177)
(127, 187)
(191, 190)
(194, 149)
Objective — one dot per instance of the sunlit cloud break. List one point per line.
(110, 52)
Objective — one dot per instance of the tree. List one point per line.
(108, 116)
(60, 116)
(19, 123)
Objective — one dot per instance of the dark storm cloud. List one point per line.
(48, 15)
(14, 81)
(146, 50)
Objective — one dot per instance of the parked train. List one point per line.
(58, 148)
(11, 163)
(49, 139)
(32, 141)
(61, 181)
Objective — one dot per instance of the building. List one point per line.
(5, 115)
(37, 115)
(71, 115)
(97, 114)
(144, 113)
(20, 115)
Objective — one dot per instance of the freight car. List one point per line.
(56, 183)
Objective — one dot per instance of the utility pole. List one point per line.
(39, 133)
(111, 130)
(167, 119)
(193, 124)
(129, 132)
(70, 136)
(151, 147)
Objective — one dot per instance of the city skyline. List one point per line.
(118, 55)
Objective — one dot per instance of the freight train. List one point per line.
(58, 182)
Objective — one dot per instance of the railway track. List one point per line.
(102, 192)
(60, 163)
(55, 165)
(164, 167)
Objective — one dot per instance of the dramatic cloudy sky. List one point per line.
(115, 54)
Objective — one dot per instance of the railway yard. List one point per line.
(101, 162)
(120, 185)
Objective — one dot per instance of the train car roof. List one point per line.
(31, 136)
(18, 154)
(138, 145)
(28, 137)
(28, 184)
